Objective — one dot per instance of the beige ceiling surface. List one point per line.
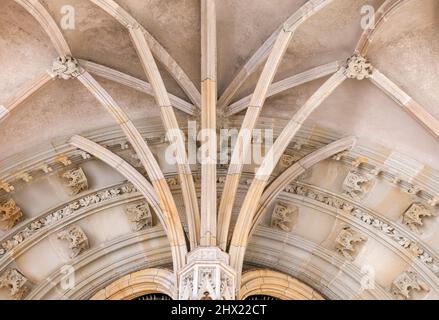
(405, 50)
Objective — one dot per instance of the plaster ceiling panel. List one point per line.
(64, 108)
(243, 27)
(96, 36)
(176, 26)
(25, 50)
(327, 36)
(406, 50)
(100, 38)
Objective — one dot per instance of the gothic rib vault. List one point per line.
(343, 204)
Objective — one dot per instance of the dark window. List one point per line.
(154, 296)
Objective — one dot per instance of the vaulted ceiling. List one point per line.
(372, 144)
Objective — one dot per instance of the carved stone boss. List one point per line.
(66, 68)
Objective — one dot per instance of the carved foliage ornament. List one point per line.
(356, 184)
(13, 280)
(75, 180)
(139, 215)
(66, 68)
(367, 218)
(347, 241)
(284, 216)
(358, 67)
(77, 239)
(404, 284)
(10, 214)
(64, 212)
(412, 217)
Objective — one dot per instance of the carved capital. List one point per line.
(66, 68)
(77, 239)
(13, 280)
(403, 286)
(284, 216)
(139, 216)
(358, 67)
(75, 180)
(10, 214)
(346, 242)
(356, 184)
(207, 276)
(287, 160)
(412, 217)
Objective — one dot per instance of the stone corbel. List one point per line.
(347, 241)
(66, 68)
(414, 215)
(10, 215)
(404, 285)
(284, 216)
(13, 280)
(78, 241)
(139, 216)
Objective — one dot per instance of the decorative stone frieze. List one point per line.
(10, 214)
(85, 203)
(358, 67)
(412, 217)
(207, 276)
(15, 282)
(66, 68)
(139, 216)
(347, 241)
(284, 216)
(356, 184)
(77, 239)
(366, 217)
(75, 180)
(403, 286)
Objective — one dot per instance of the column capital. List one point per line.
(207, 276)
